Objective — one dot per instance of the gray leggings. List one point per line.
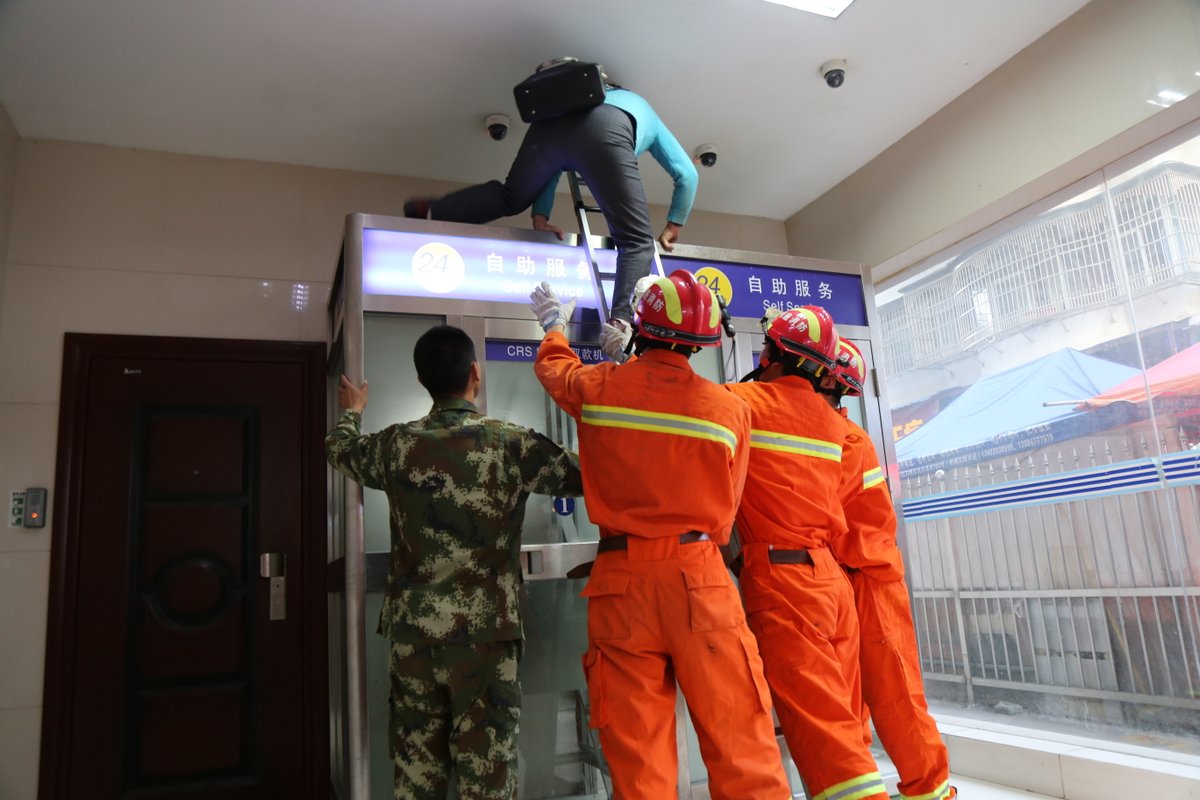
(598, 144)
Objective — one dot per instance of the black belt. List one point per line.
(776, 556)
(611, 544)
(789, 557)
(621, 542)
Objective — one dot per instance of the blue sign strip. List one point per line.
(749, 289)
(1180, 469)
(515, 350)
(419, 264)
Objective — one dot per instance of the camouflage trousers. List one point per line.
(455, 709)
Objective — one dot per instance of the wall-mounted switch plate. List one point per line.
(35, 508)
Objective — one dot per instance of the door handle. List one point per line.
(273, 567)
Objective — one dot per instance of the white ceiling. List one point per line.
(402, 87)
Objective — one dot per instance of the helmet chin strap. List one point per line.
(752, 375)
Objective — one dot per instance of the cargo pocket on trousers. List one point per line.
(607, 617)
(755, 665)
(593, 674)
(884, 680)
(713, 605)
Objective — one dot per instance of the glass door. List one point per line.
(559, 755)
(395, 396)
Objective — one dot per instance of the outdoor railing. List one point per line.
(1092, 596)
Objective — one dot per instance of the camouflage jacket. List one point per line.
(456, 483)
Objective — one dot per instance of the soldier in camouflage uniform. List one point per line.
(456, 483)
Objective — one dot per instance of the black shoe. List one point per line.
(417, 208)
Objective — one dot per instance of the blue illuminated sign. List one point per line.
(749, 289)
(467, 268)
(432, 265)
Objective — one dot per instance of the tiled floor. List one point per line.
(971, 789)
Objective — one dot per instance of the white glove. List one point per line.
(614, 339)
(548, 309)
(769, 317)
(639, 289)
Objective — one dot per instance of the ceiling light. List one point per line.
(1166, 98)
(826, 8)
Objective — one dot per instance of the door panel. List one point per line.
(190, 465)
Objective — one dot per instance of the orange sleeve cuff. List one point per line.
(557, 366)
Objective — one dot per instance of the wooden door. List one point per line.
(182, 462)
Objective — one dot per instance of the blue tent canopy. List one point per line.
(1001, 407)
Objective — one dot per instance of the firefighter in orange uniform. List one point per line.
(663, 453)
(798, 601)
(891, 667)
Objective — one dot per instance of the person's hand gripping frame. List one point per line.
(616, 335)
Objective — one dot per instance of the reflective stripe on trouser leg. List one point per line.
(647, 627)
(940, 793)
(894, 692)
(868, 785)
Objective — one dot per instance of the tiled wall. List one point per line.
(8, 169)
(106, 240)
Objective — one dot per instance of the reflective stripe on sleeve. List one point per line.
(796, 445)
(856, 788)
(658, 422)
(872, 477)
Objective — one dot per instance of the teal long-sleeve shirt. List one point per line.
(654, 136)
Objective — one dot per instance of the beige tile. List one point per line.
(3, 281)
(979, 790)
(232, 308)
(234, 218)
(314, 316)
(87, 206)
(1008, 760)
(41, 303)
(9, 143)
(20, 743)
(334, 194)
(1104, 775)
(29, 433)
(24, 588)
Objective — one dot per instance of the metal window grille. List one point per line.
(1095, 598)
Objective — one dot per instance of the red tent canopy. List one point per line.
(1177, 376)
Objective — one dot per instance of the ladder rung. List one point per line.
(590, 209)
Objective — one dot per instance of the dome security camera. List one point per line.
(834, 72)
(497, 126)
(706, 154)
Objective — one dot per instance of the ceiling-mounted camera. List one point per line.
(706, 154)
(497, 126)
(834, 72)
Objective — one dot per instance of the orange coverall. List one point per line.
(891, 667)
(663, 453)
(803, 613)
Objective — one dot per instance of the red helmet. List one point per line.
(679, 309)
(807, 332)
(851, 368)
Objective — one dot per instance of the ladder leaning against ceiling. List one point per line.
(582, 209)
